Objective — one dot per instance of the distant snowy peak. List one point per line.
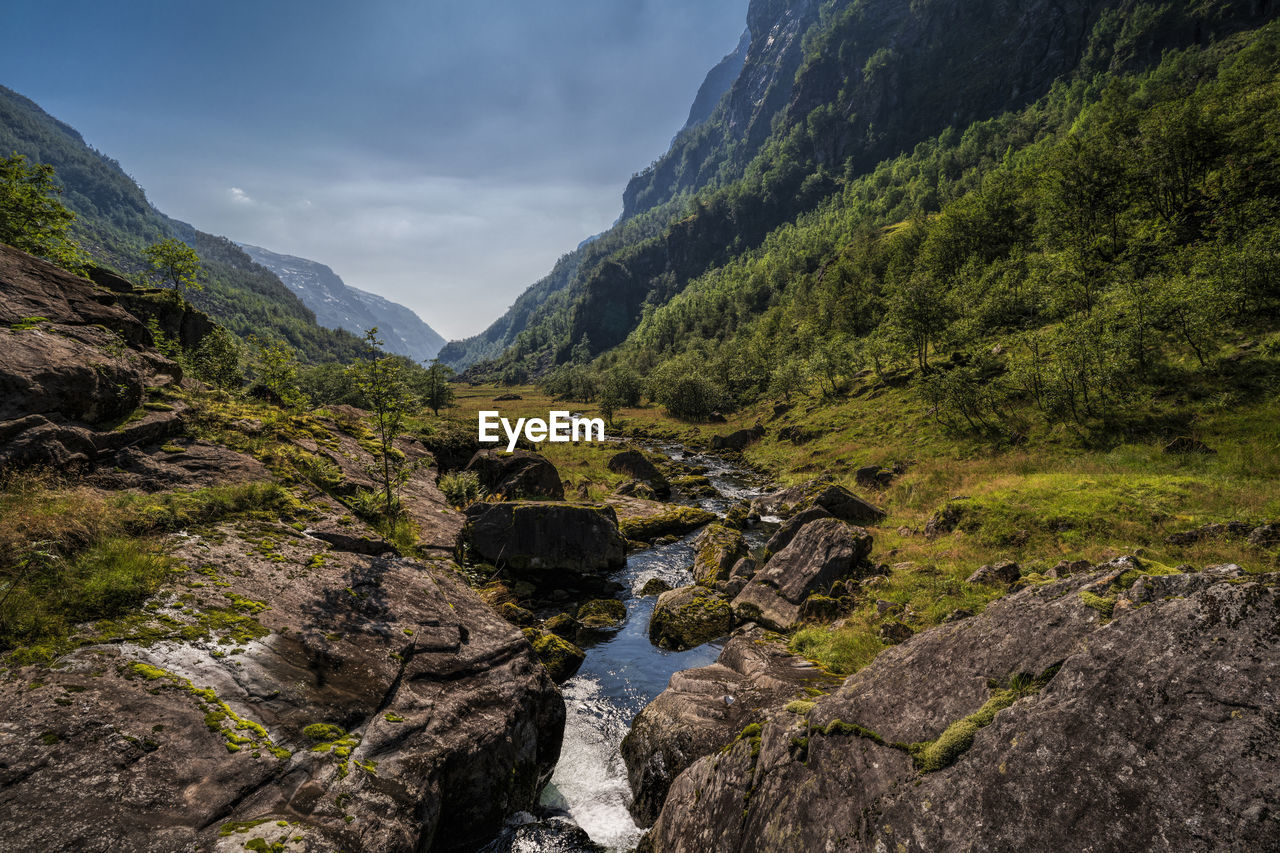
(337, 305)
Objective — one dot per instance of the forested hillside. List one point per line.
(864, 83)
(115, 222)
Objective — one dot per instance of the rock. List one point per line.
(703, 709)
(654, 586)
(739, 517)
(560, 657)
(665, 521)
(946, 519)
(1266, 536)
(373, 704)
(894, 632)
(997, 573)
(796, 435)
(198, 464)
(507, 398)
(958, 614)
(635, 488)
(788, 529)
(539, 539)
(1067, 568)
(873, 477)
(695, 485)
(1185, 444)
(836, 500)
(602, 614)
(516, 615)
(520, 474)
(716, 550)
(1209, 531)
(688, 617)
(821, 553)
(36, 441)
(554, 834)
(1158, 705)
(739, 439)
(635, 464)
(563, 625)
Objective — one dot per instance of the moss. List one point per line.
(560, 657)
(692, 622)
(800, 706)
(676, 520)
(602, 613)
(237, 826)
(261, 845)
(391, 717)
(323, 732)
(147, 671)
(840, 727)
(50, 738)
(1105, 605)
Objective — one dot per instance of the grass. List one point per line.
(71, 554)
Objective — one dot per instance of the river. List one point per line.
(623, 672)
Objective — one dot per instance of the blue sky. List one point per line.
(441, 154)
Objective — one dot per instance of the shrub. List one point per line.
(462, 488)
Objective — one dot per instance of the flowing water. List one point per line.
(622, 673)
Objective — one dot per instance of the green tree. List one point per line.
(437, 392)
(380, 381)
(32, 218)
(217, 360)
(174, 264)
(276, 366)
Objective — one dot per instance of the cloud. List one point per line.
(239, 196)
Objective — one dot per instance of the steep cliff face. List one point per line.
(338, 305)
(718, 81)
(741, 120)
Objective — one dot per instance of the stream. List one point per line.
(623, 672)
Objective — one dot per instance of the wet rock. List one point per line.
(689, 616)
(659, 520)
(1131, 709)
(516, 615)
(550, 835)
(822, 552)
(539, 539)
(788, 529)
(704, 709)
(836, 500)
(997, 573)
(563, 625)
(602, 614)
(635, 464)
(560, 657)
(520, 474)
(654, 586)
(716, 550)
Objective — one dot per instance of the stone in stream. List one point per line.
(703, 709)
(837, 500)
(1035, 725)
(519, 474)
(820, 553)
(716, 550)
(542, 540)
(689, 616)
(602, 614)
(561, 657)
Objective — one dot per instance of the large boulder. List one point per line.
(539, 539)
(822, 552)
(520, 474)
(837, 500)
(737, 440)
(689, 616)
(716, 550)
(368, 703)
(1127, 708)
(636, 465)
(703, 709)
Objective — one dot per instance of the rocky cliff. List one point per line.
(338, 305)
(289, 676)
(1127, 708)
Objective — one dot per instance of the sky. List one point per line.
(443, 155)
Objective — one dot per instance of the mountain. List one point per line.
(826, 93)
(115, 222)
(337, 305)
(717, 82)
